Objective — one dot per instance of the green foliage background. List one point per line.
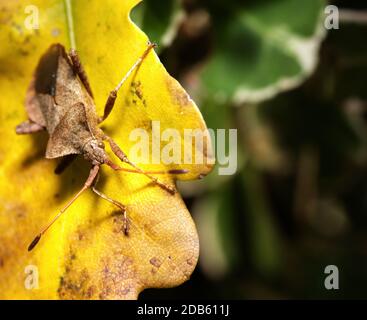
(297, 94)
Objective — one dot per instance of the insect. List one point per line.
(60, 101)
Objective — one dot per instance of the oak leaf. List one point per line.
(85, 255)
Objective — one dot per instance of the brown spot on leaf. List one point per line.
(117, 271)
(145, 125)
(102, 296)
(178, 95)
(155, 262)
(118, 224)
(80, 236)
(90, 292)
(124, 292)
(139, 93)
(75, 287)
(75, 284)
(190, 262)
(19, 210)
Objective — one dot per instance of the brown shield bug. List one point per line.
(60, 101)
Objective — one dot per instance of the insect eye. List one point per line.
(101, 145)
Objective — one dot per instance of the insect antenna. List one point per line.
(92, 175)
(135, 65)
(113, 94)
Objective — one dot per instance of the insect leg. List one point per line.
(28, 127)
(123, 157)
(113, 94)
(79, 70)
(92, 175)
(116, 203)
(170, 171)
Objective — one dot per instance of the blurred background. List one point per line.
(297, 93)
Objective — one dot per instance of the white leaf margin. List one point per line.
(305, 51)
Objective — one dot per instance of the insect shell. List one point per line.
(60, 103)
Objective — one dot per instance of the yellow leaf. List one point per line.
(85, 255)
